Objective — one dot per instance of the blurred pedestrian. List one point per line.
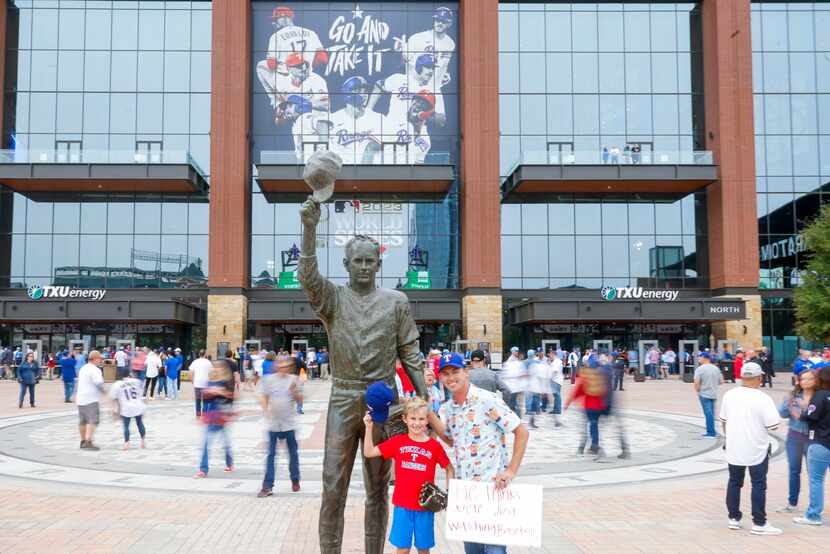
(798, 433)
(68, 374)
(817, 414)
(28, 375)
(88, 397)
(708, 379)
(127, 404)
(217, 413)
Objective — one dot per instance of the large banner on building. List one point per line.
(375, 82)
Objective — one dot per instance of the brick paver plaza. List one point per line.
(668, 498)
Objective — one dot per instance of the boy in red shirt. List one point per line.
(415, 455)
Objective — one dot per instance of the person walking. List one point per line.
(592, 390)
(217, 413)
(748, 415)
(173, 364)
(797, 434)
(468, 422)
(323, 357)
(817, 414)
(68, 374)
(618, 366)
(557, 379)
(28, 375)
(278, 394)
(200, 375)
(152, 364)
(139, 364)
(515, 379)
(708, 379)
(127, 404)
(122, 359)
(766, 365)
(88, 397)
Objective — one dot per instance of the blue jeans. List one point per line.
(796, 450)
(197, 397)
(172, 391)
(708, 405)
(593, 427)
(758, 478)
(556, 389)
(818, 461)
(140, 376)
(31, 389)
(209, 432)
(532, 401)
(138, 423)
(476, 548)
(68, 389)
(162, 385)
(270, 460)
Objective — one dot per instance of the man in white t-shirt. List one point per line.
(153, 364)
(127, 402)
(748, 415)
(557, 380)
(200, 375)
(87, 396)
(121, 359)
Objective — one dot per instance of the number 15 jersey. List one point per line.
(128, 394)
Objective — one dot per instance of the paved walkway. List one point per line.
(667, 498)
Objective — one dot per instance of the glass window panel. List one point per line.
(71, 30)
(636, 31)
(18, 255)
(639, 259)
(664, 76)
(44, 75)
(45, 30)
(638, 114)
(262, 215)
(532, 108)
(558, 31)
(824, 114)
(561, 219)
(610, 32)
(177, 30)
(39, 217)
(757, 74)
(586, 111)
(509, 113)
(532, 74)
(615, 256)
(534, 256)
(508, 73)
(668, 218)
(174, 218)
(776, 72)
(176, 71)
(150, 71)
(822, 37)
(38, 255)
(560, 114)
(663, 35)
(823, 72)
(509, 148)
(120, 217)
(774, 31)
(198, 221)
(200, 71)
(805, 155)
(508, 31)
(70, 71)
(511, 256)
(24, 70)
(612, 72)
(263, 260)
(42, 113)
(585, 73)
(511, 219)
(665, 114)
(201, 39)
(777, 113)
(70, 112)
(122, 113)
(638, 73)
(562, 256)
(96, 71)
(531, 32)
(65, 251)
(98, 29)
(534, 219)
(124, 68)
(584, 32)
(176, 113)
(802, 72)
(588, 219)
(641, 218)
(559, 75)
(614, 219)
(200, 116)
(150, 113)
(588, 256)
(779, 155)
(150, 30)
(146, 250)
(93, 251)
(801, 33)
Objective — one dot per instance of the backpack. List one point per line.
(595, 382)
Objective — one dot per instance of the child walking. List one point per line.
(217, 412)
(127, 403)
(415, 455)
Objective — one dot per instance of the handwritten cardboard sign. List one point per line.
(477, 512)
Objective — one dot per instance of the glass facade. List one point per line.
(414, 236)
(791, 85)
(572, 242)
(86, 78)
(591, 79)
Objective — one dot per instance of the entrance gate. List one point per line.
(643, 346)
(119, 344)
(75, 344)
(552, 344)
(35, 346)
(253, 344)
(603, 346)
(687, 367)
(299, 344)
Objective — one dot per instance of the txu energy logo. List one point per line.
(638, 293)
(37, 292)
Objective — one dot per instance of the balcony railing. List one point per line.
(389, 154)
(69, 156)
(599, 157)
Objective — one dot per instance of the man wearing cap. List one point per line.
(368, 328)
(434, 41)
(748, 415)
(707, 381)
(475, 423)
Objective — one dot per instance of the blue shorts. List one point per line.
(406, 523)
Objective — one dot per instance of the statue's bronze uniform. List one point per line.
(367, 328)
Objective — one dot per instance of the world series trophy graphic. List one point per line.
(368, 329)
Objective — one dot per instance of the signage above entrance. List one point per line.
(638, 293)
(36, 292)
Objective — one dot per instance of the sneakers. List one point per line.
(200, 475)
(228, 469)
(624, 455)
(806, 521)
(788, 509)
(765, 529)
(90, 446)
(734, 524)
(295, 486)
(265, 493)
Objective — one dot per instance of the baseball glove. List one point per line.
(394, 423)
(432, 498)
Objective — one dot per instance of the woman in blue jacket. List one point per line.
(28, 374)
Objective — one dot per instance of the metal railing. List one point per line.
(390, 153)
(69, 156)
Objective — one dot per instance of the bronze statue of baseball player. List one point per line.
(368, 328)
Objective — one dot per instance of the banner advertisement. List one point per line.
(478, 512)
(374, 82)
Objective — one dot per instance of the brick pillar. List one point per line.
(731, 202)
(480, 191)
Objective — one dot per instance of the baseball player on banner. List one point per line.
(287, 38)
(356, 131)
(302, 98)
(434, 41)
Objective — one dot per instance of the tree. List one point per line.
(812, 297)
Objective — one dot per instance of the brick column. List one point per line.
(480, 193)
(731, 202)
(230, 190)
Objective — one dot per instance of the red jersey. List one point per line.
(406, 384)
(414, 465)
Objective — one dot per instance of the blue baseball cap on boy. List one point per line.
(453, 359)
(379, 397)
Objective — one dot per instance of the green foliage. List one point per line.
(812, 297)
